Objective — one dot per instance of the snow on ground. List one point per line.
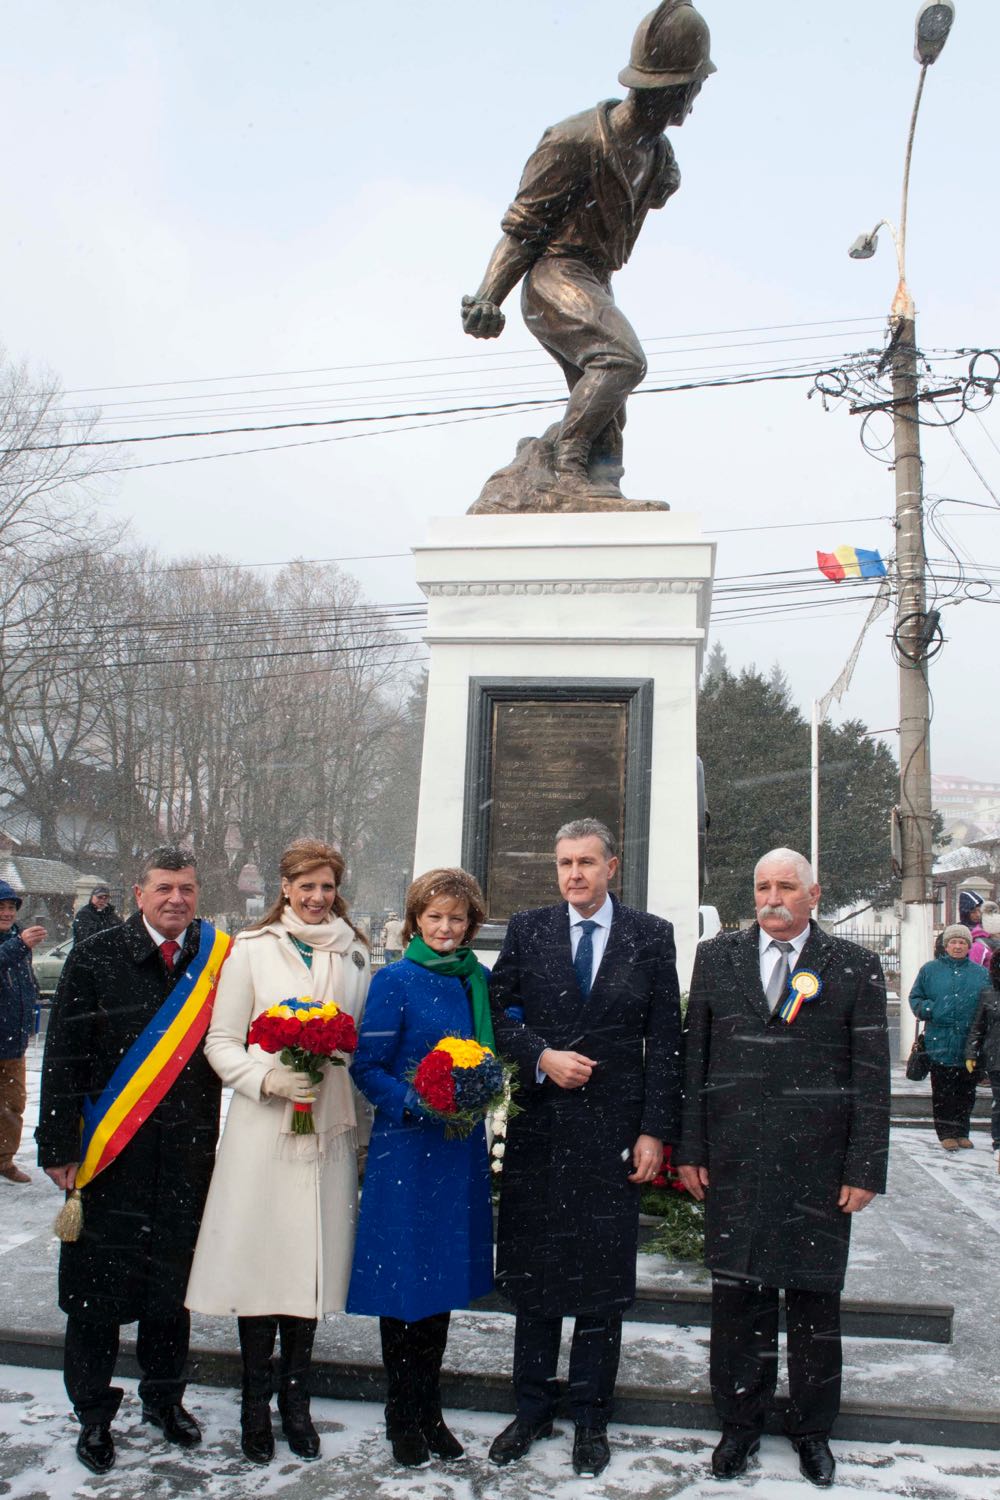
(37, 1460)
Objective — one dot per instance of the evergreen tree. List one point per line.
(754, 744)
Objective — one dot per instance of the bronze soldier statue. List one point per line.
(583, 198)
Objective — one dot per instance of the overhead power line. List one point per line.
(479, 354)
(479, 411)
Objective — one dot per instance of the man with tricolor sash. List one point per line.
(785, 1135)
(128, 1123)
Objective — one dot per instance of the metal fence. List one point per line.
(882, 941)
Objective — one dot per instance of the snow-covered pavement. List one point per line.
(37, 1436)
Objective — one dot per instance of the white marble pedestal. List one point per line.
(588, 606)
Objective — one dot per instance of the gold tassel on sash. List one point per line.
(69, 1220)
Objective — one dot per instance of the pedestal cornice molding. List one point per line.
(540, 586)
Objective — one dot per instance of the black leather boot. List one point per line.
(404, 1377)
(257, 1345)
(297, 1336)
(430, 1337)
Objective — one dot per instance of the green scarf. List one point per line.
(462, 964)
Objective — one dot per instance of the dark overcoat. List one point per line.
(89, 921)
(18, 995)
(781, 1115)
(141, 1214)
(568, 1225)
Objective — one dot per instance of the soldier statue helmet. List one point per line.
(671, 46)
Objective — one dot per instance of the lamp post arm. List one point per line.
(902, 306)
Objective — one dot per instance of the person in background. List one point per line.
(97, 916)
(970, 908)
(18, 999)
(985, 935)
(946, 995)
(392, 938)
(425, 1236)
(278, 1231)
(982, 1046)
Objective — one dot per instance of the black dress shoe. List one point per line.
(591, 1454)
(515, 1440)
(733, 1452)
(815, 1460)
(177, 1425)
(441, 1440)
(409, 1447)
(95, 1447)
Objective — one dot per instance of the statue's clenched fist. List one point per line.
(482, 319)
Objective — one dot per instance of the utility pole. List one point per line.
(911, 642)
(914, 631)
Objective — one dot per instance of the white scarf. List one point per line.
(334, 1115)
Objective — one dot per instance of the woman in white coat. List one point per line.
(277, 1236)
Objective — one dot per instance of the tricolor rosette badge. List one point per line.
(307, 1035)
(459, 1082)
(803, 986)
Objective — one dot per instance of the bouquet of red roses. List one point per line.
(307, 1035)
(459, 1082)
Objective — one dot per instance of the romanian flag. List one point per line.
(850, 562)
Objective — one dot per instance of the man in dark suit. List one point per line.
(585, 1002)
(141, 1215)
(786, 1135)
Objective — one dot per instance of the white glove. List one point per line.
(285, 1083)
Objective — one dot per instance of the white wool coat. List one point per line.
(277, 1236)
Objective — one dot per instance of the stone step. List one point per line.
(691, 1307)
(476, 1390)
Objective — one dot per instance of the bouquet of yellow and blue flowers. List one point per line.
(460, 1082)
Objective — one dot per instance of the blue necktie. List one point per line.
(583, 960)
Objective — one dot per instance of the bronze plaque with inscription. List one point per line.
(550, 761)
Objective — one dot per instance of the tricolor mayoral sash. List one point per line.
(155, 1059)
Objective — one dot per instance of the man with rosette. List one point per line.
(785, 1136)
(586, 1005)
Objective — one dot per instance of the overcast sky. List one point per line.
(232, 193)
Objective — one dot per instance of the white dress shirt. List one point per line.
(159, 939)
(769, 956)
(599, 936)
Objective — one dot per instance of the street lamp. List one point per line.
(934, 20)
(910, 638)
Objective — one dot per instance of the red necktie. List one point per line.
(170, 950)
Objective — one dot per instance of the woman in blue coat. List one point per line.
(946, 995)
(425, 1232)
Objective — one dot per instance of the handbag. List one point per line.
(918, 1064)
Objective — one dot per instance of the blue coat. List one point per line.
(425, 1231)
(18, 995)
(946, 995)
